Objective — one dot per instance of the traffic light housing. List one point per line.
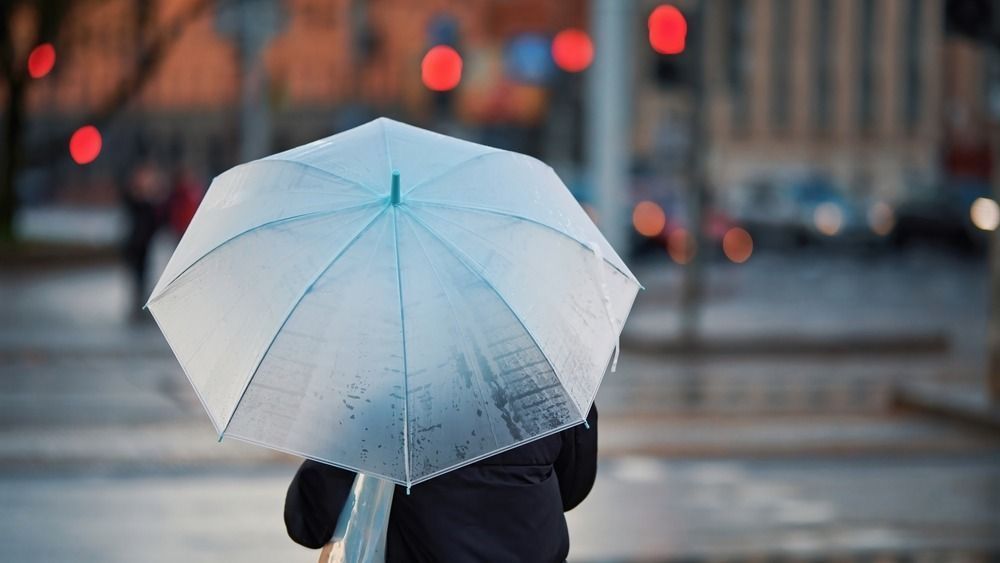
(973, 19)
(667, 37)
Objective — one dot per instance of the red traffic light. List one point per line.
(85, 144)
(572, 50)
(41, 60)
(667, 30)
(441, 69)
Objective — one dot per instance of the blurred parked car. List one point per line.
(807, 210)
(942, 215)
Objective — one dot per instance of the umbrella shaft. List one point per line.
(361, 527)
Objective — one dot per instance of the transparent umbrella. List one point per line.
(393, 301)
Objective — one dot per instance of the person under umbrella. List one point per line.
(404, 305)
(508, 507)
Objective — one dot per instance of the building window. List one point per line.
(822, 67)
(866, 67)
(912, 60)
(781, 64)
(738, 63)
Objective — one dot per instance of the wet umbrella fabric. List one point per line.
(396, 325)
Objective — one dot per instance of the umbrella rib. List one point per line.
(465, 260)
(324, 172)
(291, 311)
(455, 321)
(457, 166)
(402, 329)
(445, 205)
(292, 218)
(385, 141)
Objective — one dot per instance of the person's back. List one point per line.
(508, 507)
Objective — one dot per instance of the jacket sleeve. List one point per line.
(576, 466)
(315, 498)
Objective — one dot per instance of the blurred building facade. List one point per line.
(328, 65)
(868, 92)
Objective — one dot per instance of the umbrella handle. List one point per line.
(361, 527)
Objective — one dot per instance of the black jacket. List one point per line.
(508, 507)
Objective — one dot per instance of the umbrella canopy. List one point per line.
(393, 301)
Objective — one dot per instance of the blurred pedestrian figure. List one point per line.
(508, 507)
(145, 197)
(185, 196)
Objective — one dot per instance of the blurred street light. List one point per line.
(441, 68)
(667, 30)
(985, 214)
(737, 245)
(41, 60)
(85, 144)
(828, 218)
(572, 50)
(881, 218)
(648, 219)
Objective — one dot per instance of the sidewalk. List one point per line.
(641, 509)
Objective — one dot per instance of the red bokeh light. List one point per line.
(41, 60)
(648, 218)
(85, 144)
(572, 50)
(737, 245)
(667, 30)
(441, 69)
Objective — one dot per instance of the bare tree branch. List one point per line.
(152, 53)
(52, 15)
(149, 60)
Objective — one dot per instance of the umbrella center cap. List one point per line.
(394, 198)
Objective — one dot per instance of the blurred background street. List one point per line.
(775, 443)
(805, 188)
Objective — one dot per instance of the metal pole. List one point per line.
(608, 117)
(694, 272)
(258, 22)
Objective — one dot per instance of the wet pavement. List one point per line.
(791, 507)
(641, 509)
(704, 456)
